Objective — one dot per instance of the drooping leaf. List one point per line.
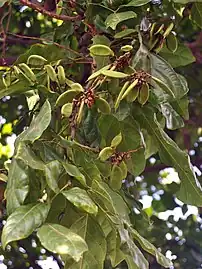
(147, 246)
(173, 119)
(26, 155)
(115, 18)
(181, 57)
(92, 233)
(52, 172)
(38, 125)
(23, 221)
(81, 199)
(59, 239)
(190, 191)
(17, 186)
(73, 171)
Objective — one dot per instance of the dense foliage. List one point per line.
(99, 97)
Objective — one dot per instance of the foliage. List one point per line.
(101, 96)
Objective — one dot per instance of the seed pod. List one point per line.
(132, 96)
(159, 29)
(36, 60)
(66, 110)
(143, 94)
(6, 78)
(28, 71)
(103, 105)
(16, 70)
(80, 113)
(77, 87)
(106, 153)
(124, 169)
(116, 178)
(152, 29)
(129, 89)
(101, 50)
(116, 140)
(61, 75)
(171, 42)
(66, 97)
(118, 100)
(51, 72)
(168, 30)
(126, 48)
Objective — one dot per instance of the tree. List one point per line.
(102, 97)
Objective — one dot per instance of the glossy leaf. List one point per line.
(53, 171)
(17, 186)
(81, 199)
(147, 246)
(190, 189)
(73, 171)
(23, 222)
(173, 119)
(115, 18)
(38, 125)
(164, 72)
(59, 239)
(92, 233)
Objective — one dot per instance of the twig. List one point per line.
(4, 31)
(50, 14)
(46, 40)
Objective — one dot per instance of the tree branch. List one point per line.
(50, 14)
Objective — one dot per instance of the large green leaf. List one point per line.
(26, 155)
(173, 119)
(130, 249)
(38, 125)
(196, 14)
(147, 246)
(115, 18)
(73, 171)
(164, 72)
(24, 221)
(81, 199)
(18, 88)
(17, 186)
(181, 57)
(92, 233)
(190, 191)
(59, 239)
(52, 172)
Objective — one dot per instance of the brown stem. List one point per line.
(50, 14)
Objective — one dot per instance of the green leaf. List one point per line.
(103, 105)
(131, 250)
(98, 72)
(137, 3)
(116, 178)
(115, 18)
(66, 110)
(81, 199)
(190, 191)
(38, 125)
(181, 57)
(113, 74)
(23, 222)
(73, 171)
(196, 14)
(147, 246)
(17, 186)
(173, 119)
(124, 33)
(17, 88)
(164, 72)
(52, 172)
(26, 155)
(92, 233)
(59, 239)
(113, 246)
